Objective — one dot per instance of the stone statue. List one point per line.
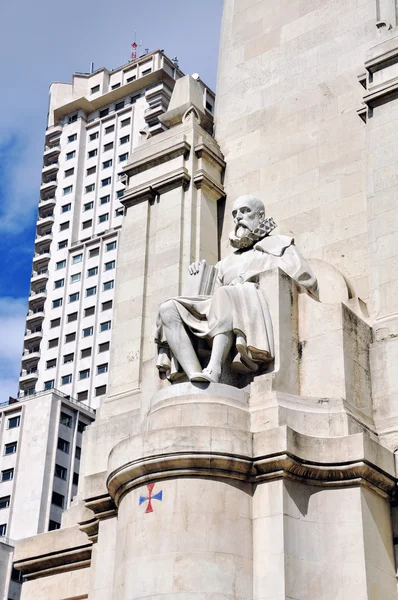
(236, 317)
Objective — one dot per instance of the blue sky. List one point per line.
(45, 41)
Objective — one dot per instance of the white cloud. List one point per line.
(12, 326)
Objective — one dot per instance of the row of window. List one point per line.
(125, 139)
(83, 374)
(91, 291)
(76, 277)
(89, 223)
(95, 135)
(77, 258)
(88, 312)
(86, 332)
(84, 353)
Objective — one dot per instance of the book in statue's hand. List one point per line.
(202, 282)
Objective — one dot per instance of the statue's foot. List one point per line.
(209, 375)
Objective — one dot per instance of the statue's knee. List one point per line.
(167, 312)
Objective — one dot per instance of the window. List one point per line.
(93, 153)
(3, 529)
(130, 79)
(135, 98)
(81, 426)
(53, 525)
(87, 224)
(85, 353)
(107, 163)
(70, 155)
(123, 157)
(100, 390)
(110, 265)
(105, 199)
(88, 331)
(72, 138)
(109, 285)
(93, 271)
(77, 258)
(111, 246)
(4, 502)
(94, 252)
(68, 358)
(62, 244)
(75, 479)
(147, 71)
(105, 326)
(88, 312)
(82, 396)
(108, 146)
(72, 317)
(75, 277)
(104, 112)
(107, 305)
(93, 136)
(10, 448)
(58, 499)
(119, 212)
(55, 323)
(65, 379)
(103, 347)
(119, 105)
(63, 445)
(125, 122)
(91, 170)
(50, 364)
(66, 419)
(78, 452)
(209, 106)
(102, 369)
(16, 576)
(91, 291)
(7, 475)
(88, 206)
(64, 226)
(95, 89)
(61, 264)
(61, 472)
(115, 86)
(53, 343)
(106, 181)
(90, 188)
(125, 139)
(72, 119)
(59, 283)
(30, 391)
(69, 172)
(109, 129)
(85, 374)
(66, 208)
(14, 422)
(74, 297)
(120, 194)
(103, 218)
(70, 337)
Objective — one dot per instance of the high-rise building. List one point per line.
(94, 124)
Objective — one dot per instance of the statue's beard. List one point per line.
(243, 237)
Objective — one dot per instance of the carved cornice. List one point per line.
(54, 563)
(148, 192)
(181, 148)
(203, 151)
(103, 508)
(383, 93)
(204, 180)
(228, 466)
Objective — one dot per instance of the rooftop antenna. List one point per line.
(91, 68)
(134, 47)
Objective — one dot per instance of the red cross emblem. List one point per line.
(150, 497)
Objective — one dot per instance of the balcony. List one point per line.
(49, 186)
(36, 296)
(33, 335)
(29, 375)
(52, 167)
(51, 153)
(39, 277)
(47, 219)
(53, 134)
(30, 354)
(35, 316)
(154, 112)
(42, 238)
(46, 202)
(41, 258)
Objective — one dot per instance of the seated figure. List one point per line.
(236, 317)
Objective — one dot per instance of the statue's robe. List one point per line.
(238, 304)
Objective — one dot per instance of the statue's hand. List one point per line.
(194, 268)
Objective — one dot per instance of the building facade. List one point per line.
(94, 125)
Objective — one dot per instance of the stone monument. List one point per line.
(261, 464)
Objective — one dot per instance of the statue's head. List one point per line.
(251, 224)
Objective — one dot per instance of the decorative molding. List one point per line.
(204, 151)
(173, 179)
(383, 93)
(103, 508)
(202, 179)
(181, 148)
(54, 563)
